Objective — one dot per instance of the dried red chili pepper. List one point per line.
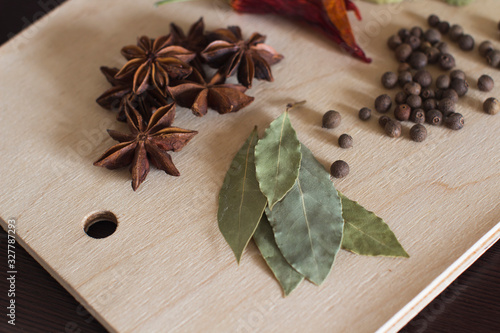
(328, 16)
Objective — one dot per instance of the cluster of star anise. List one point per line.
(170, 70)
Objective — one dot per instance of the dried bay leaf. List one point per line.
(286, 275)
(308, 222)
(241, 203)
(277, 159)
(367, 234)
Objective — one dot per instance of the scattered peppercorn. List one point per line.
(446, 106)
(455, 32)
(345, 141)
(331, 119)
(404, 77)
(404, 67)
(427, 93)
(432, 36)
(466, 42)
(433, 55)
(416, 31)
(418, 133)
(417, 116)
(365, 113)
(457, 74)
(493, 58)
(429, 104)
(434, 117)
(383, 120)
(451, 94)
(485, 83)
(403, 33)
(443, 27)
(402, 112)
(339, 169)
(446, 61)
(417, 60)
(400, 98)
(433, 20)
(485, 47)
(460, 86)
(394, 41)
(423, 77)
(443, 81)
(414, 42)
(442, 47)
(491, 105)
(414, 101)
(393, 128)
(425, 45)
(389, 80)
(454, 121)
(403, 51)
(412, 88)
(383, 103)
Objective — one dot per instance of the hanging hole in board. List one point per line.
(100, 225)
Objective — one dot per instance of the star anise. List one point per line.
(146, 143)
(115, 98)
(198, 94)
(250, 58)
(153, 62)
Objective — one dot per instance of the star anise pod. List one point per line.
(153, 62)
(146, 143)
(250, 58)
(198, 94)
(115, 98)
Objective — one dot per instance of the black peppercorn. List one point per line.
(455, 32)
(418, 133)
(446, 61)
(403, 33)
(394, 41)
(427, 93)
(433, 20)
(429, 104)
(417, 60)
(416, 31)
(339, 169)
(404, 67)
(485, 47)
(443, 81)
(400, 98)
(383, 103)
(403, 51)
(442, 47)
(439, 93)
(404, 77)
(432, 36)
(365, 113)
(446, 106)
(393, 128)
(424, 46)
(449, 93)
(417, 116)
(443, 27)
(493, 58)
(412, 88)
(454, 121)
(423, 77)
(331, 119)
(460, 86)
(414, 42)
(491, 105)
(485, 83)
(466, 42)
(389, 80)
(402, 112)
(434, 117)
(457, 74)
(433, 55)
(414, 101)
(383, 120)
(345, 141)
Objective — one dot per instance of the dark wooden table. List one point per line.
(470, 304)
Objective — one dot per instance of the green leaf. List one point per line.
(308, 222)
(288, 277)
(367, 234)
(241, 203)
(277, 159)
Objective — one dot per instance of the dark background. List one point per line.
(470, 304)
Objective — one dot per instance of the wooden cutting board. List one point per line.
(167, 267)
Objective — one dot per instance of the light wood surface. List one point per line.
(167, 267)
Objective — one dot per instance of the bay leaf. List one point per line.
(308, 223)
(241, 203)
(286, 275)
(277, 159)
(367, 234)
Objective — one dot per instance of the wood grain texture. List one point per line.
(412, 187)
